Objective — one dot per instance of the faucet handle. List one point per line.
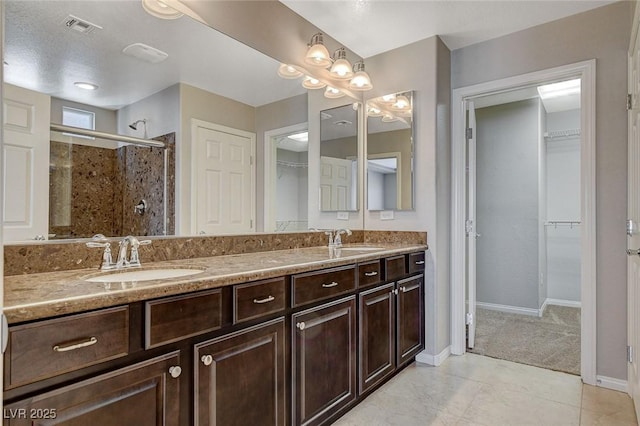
(134, 259)
(107, 259)
(93, 244)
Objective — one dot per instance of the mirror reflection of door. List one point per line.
(384, 191)
(291, 181)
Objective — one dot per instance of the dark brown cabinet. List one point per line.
(410, 318)
(391, 329)
(323, 361)
(144, 394)
(239, 379)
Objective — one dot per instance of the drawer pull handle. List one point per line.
(419, 262)
(332, 284)
(175, 371)
(91, 341)
(301, 325)
(265, 300)
(207, 360)
(371, 274)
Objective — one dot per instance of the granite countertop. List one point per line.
(36, 296)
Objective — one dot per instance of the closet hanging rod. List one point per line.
(109, 136)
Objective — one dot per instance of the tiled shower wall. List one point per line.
(94, 190)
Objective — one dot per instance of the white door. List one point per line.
(471, 225)
(633, 227)
(335, 184)
(26, 118)
(224, 186)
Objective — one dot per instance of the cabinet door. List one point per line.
(377, 335)
(410, 318)
(145, 394)
(240, 378)
(324, 361)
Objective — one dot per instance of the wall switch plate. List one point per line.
(386, 215)
(343, 216)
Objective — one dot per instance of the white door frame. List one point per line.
(195, 124)
(587, 72)
(270, 170)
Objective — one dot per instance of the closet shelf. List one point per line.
(292, 164)
(556, 223)
(562, 134)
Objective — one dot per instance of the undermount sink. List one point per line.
(366, 248)
(143, 275)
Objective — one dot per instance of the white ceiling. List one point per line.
(43, 55)
(369, 27)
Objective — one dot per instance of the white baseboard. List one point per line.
(561, 302)
(611, 383)
(507, 308)
(434, 360)
(543, 308)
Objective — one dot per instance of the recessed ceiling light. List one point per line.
(160, 9)
(301, 137)
(85, 85)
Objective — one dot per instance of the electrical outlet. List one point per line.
(343, 216)
(386, 215)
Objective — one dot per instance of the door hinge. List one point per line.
(469, 133)
(251, 223)
(629, 102)
(251, 160)
(630, 354)
(469, 318)
(468, 226)
(4, 332)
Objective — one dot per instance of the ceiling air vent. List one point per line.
(80, 25)
(145, 53)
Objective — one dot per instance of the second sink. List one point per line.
(143, 275)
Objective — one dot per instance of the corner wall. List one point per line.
(602, 34)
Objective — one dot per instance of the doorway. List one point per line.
(524, 223)
(463, 287)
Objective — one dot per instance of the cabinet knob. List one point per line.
(175, 371)
(207, 360)
(394, 291)
(301, 325)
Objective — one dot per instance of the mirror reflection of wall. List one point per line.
(390, 152)
(292, 182)
(339, 159)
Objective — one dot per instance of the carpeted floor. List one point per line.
(551, 342)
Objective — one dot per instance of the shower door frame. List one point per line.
(586, 71)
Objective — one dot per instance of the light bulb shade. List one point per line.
(312, 83)
(288, 71)
(374, 111)
(389, 99)
(341, 67)
(317, 55)
(360, 80)
(388, 118)
(402, 103)
(333, 93)
(160, 9)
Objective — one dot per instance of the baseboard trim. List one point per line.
(435, 360)
(562, 302)
(509, 309)
(611, 383)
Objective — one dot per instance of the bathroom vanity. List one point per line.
(271, 338)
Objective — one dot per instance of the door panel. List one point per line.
(471, 224)
(335, 184)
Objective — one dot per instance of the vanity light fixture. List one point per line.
(388, 118)
(160, 9)
(289, 72)
(401, 104)
(333, 93)
(312, 83)
(389, 99)
(341, 67)
(317, 54)
(360, 80)
(374, 111)
(86, 86)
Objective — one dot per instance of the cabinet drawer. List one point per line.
(177, 318)
(319, 285)
(48, 348)
(259, 298)
(394, 267)
(416, 262)
(369, 273)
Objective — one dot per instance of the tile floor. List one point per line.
(476, 390)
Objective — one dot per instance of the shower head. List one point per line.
(134, 125)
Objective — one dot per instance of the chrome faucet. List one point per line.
(100, 240)
(134, 258)
(337, 240)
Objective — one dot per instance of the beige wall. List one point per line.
(602, 34)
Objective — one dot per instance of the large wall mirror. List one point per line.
(154, 77)
(339, 159)
(390, 152)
